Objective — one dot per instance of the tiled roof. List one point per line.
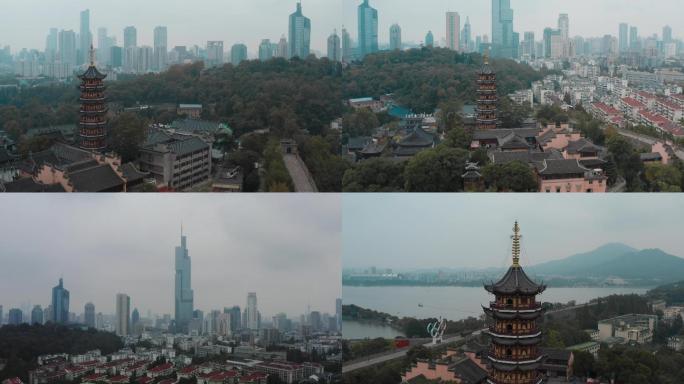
(99, 178)
(634, 103)
(417, 138)
(28, 185)
(92, 74)
(161, 368)
(469, 372)
(583, 145)
(515, 281)
(562, 167)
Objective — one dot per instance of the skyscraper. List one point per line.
(453, 31)
(667, 34)
(334, 47)
(238, 54)
(633, 38)
(89, 315)
(15, 316)
(624, 37)
(564, 26)
(52, 45)
(67, 47)
(86, 38)
(528, 45)
(214, 53)
(283, 48)
(299, 34)
(161, 44)
(467, 37)
(123, 314)
(368, 29)
(60, 304)
(429, 39)
(251, 312)
(37, 315)
(235, 318)
(347, 51)
(135, 318)
(183, 288)
(129, 54)
(395, 37)
(130, 37)
(502, 29)
(265, 50)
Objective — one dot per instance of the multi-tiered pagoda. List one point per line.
(93, 114)
(514, 357)
(487, 98)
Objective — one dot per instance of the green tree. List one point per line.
(374, 175)
(663, 178)
(583, 365)
(553, 339)
(436, 170)
(361, 122)
(511, 177)
(127, 134)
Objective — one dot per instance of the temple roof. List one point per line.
(561, 167)
(486, 68)
(92, 74)
(469, 372)
(515, 281)
(417, 138)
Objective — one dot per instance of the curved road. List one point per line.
(301, 178)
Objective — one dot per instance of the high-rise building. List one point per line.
(183, 287)
(467, 37)
(283, 48)
(86, 38)
(135, 318)
(93, 115)
(238, 54)
(52, 45)
(299, 34)
(130, 37)
(633, 38)
(667, 34)
(37, 315)
(552, 40)
(161, 48)
(624, 37)
(235, 319)
(338, 314)
(368, 29)
(315, 321)
(514, 355)
(214, 53)
(104, 47)
(67, 48)
(251, 312)
(453, 31)
(123, 314)
(116, 57)
(334, 47)
(265, 50)
(528, 45)
(89, 315)
(60, 304)
(502, 29)
(395, 37)
(429, 39)
(488, 100)
(347, 49)
(15, 316)
(564, 26)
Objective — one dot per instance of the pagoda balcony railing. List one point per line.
(94, 111)
(92, 86)
(516, 359)
(92, 100)
(92, 122)
(533, 332)
(488, 101)
(512, 307)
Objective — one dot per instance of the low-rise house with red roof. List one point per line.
(188, 372)
(119, 379)
(254, 378)
(94, 378)
(160, 370)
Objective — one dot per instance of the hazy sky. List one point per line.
(473, 231)
(284, 247)
(587, 17)
(25, 23)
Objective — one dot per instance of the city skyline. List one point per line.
(441, 231)
(528, 15)
(220, 22)
(274, 249)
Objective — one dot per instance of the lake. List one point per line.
(454, 303)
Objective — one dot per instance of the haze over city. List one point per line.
(441, 231)
(284, 248)
(26, 23)
(587, 18)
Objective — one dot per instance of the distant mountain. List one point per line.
(620, 261)
(572, 264)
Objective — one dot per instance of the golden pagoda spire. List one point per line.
(92, 56)
(486, 57)
(516, 245)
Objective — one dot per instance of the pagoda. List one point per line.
(93, 113)
(514, 356)
(487, 98)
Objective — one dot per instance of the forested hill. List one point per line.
(421, 79)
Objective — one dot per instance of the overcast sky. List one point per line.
(284, 247)
(25, 23)
(587, 17)
(473, 231)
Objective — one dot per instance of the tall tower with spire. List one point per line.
(514, 356)
(93, 112)
(487, 98)
(184, 295)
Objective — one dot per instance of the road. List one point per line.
(648, 140)
(373, 360)
(303, 182)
